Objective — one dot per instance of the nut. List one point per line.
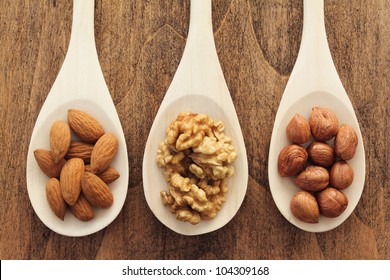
(332, 202)
(292, 160)
(188, 130)
(346, 142)
(103, 153)
(321, 154)
(341, 175)
(108, 176)
(313, 178)
(186, 215)
(304, 206)
(66, 161)
(70, 179)
(298, 130)
(197, 158)
(59, 140)
(79, 149)
(96, 191)
(82, 210)
(55, 199)
(324, 124)
(86, 127)
(46, 163)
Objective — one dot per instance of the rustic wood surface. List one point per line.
(140, 44)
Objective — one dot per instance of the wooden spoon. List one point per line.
(198, 86)
(313, 82)
(80, 84)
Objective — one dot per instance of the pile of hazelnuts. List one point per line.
(321, 170)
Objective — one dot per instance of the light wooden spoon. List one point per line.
(313, 82)
(198, 86)
(80, 84)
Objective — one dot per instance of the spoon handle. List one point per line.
(314, 54)
(200, 33)
(81, 66)
(82, 34)
(82, 45)
(314, 69)
(199, 71)
(314, 43)
(80, 76)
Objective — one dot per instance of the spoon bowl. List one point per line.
(313, 82)
(79, 85)
(199, 87)
(283, 188)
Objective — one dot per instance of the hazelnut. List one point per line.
(313, 178)
(324, 124)
(304, 206)
(298, 130)
(321, 154)
(346, 142)
(332, 202)
(341, 175)
(292, 160)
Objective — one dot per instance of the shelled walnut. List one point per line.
(197, 158)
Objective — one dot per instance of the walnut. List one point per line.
(187, 215)
(164, 155)
(212, 189)
(166, 198)
(196, 156)
(188, 130)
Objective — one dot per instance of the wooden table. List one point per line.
(140, 44)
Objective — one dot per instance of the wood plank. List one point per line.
(140, 44)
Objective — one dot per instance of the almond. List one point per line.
(59, 140)
(103, 153)
(79, 149)
(46, 163)
(70, 180)
(96, 191)
(108, 176)
(55, 199)
(82, 210)
(86, 127)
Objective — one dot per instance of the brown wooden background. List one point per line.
(140, 44)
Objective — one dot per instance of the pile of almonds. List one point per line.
(80, 170)
(321, 170)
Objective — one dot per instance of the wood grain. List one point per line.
(140, 44)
